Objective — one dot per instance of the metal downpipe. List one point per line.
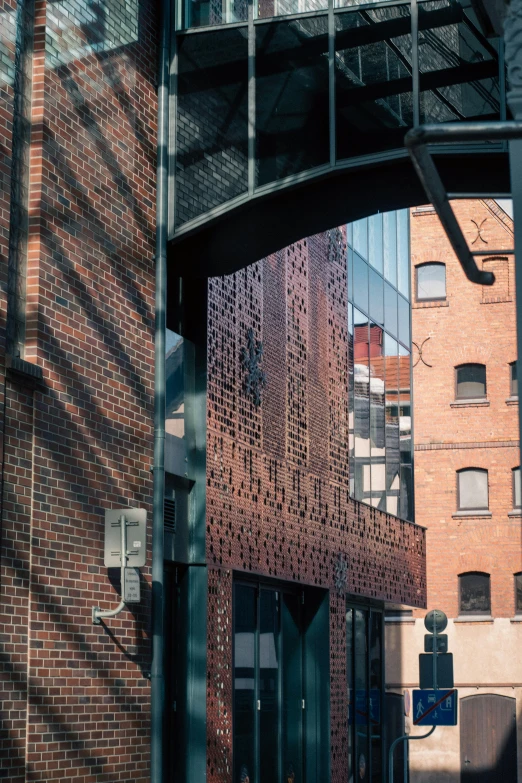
(157, 678)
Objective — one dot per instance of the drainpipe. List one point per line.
(157, 679)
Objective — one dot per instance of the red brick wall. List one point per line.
(80, 692)
(16, 461)
(277, 474)
(475, 324)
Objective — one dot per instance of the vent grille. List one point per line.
(169, 515)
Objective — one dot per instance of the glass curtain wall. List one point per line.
(379, 362)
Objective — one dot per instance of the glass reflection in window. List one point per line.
(361, 406)
(473, 489)
(431, 282)
(377, 432)
(390, 247)
(391, 349)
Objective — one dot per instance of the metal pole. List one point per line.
(157, 679)
(404, 738)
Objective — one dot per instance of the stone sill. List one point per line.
(517, 512)
(423, 305)
(470, 403)
(475, 618)
(516, 619)
(402, 620)
(512, 401)
(460, 514)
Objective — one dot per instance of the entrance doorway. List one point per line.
(488, 739)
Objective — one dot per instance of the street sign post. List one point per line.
(435, 707)
(444, 674)
(436, 664)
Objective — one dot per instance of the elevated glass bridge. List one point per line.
(289, 116)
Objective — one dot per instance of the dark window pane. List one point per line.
(390, 309)
(473, 489)
(212, 130)
(516, 488)
(431, 281)
(292, 711)
(514, 380)
(360, 282)
(389, 220)
(471, 381)
(351, 689)
(518, 593)
(375, 645)
(291, 98)
(361, 692)
(245, 621)
(404, 320)
(373, 80)
(375, 248)
(458, 71)
(376, 297)
(269, 677)
(403, 252)
(474, 594)
(392, 426)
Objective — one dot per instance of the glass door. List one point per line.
(268, 685)
(364, 663)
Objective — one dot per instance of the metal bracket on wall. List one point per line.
(416, 141)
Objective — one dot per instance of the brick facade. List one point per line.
(278, 501)
(475, 324)
(76, 696)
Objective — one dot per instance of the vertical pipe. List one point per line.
(251, 100)
(157, 678)
(415, 61)
(331, 82)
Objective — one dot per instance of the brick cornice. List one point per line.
(499, 444)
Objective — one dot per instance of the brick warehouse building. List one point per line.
(266, 521)
(467, 494)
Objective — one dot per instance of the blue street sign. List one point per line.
(435, 708)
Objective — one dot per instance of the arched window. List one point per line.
(431, 281)
(516, 488)
(474, 593)
(470, 381)
(472, 489)
(513, 379)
